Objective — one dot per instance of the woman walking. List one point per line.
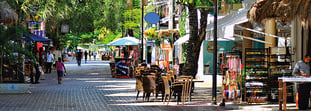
(60, 70)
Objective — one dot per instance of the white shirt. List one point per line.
(302, 67)
(50, 58)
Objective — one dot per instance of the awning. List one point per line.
(33, 37)
(182, 40)
(185, 39)
(225, 26)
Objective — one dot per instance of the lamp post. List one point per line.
(142, 33)
(214, 97)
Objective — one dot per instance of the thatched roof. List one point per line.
(7, 14)
(167, 32)
(284, 10)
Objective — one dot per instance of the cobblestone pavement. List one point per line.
(91, 88)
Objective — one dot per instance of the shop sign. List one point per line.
(152, 18)
(65, 28)
(210, 47)
(284, 33)
(33, 17)
(166, 46)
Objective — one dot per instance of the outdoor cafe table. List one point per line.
(282, 88)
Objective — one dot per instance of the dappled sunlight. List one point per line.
(83, 64)
(122, 94)
(146, 104)
(116, 86)
(92, 65)
(94, 73)
(84, 79)
(158, 102)
(116, 89)
(113, 81)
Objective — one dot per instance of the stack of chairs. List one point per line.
(182, 86)
(167, 88)
(150, 81)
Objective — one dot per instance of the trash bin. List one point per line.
(206, 69)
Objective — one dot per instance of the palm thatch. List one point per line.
(284, 10)
(263, 9)
(7, 15)
(168, 32)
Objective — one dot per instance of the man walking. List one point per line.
(302, 68)
(94, 54)
(79, 57)
(49, 62)
(85, 55)
(90, 54)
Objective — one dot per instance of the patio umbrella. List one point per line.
(101, 45)
(78, 47)
(124, 41)
(33, 37)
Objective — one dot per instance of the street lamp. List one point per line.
(142, 32)
(214, 97)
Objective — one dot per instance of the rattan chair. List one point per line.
(149, 85)
(182, 88)
(189, 89)
(167, 89)
(139, 86)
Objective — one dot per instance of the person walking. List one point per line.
(49, 62)
(60, 70)
(79, 57)
(38, 72)
(32, 72)
(85, 55)
(302, 68)
(94, 54)
(90, 54)
(73, 55)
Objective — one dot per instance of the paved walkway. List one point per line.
(91, 88)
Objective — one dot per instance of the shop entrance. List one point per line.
(149, 51)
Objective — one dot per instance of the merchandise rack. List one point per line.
(256, 75)
(279, 66)
(232, 76)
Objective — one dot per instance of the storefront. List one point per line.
(125, 57)
(266, 53)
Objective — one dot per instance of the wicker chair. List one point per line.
(167, 89)
(189, 88)
(182, 87)
(139, 86)
(149, 85)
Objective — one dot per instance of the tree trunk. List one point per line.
(196, 38)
